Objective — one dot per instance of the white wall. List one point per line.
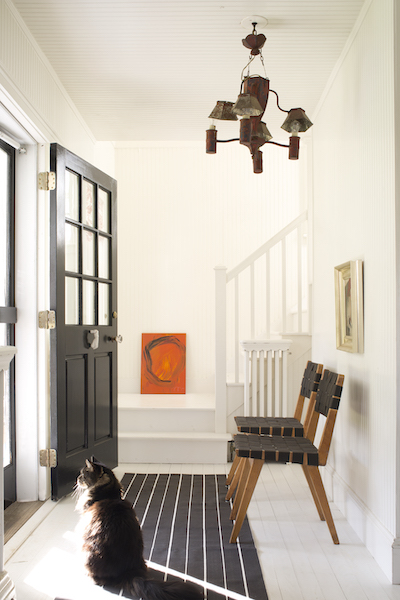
(32, 91)
(354, 218)
(182, 212)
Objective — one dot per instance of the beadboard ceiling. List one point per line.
(145, 70)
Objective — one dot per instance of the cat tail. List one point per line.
(150, 589)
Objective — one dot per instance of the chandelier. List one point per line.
(250, 106)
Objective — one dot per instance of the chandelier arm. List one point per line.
(277, 144)
(277, 102)
(225, 141)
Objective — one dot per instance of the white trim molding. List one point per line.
(7, 589)
(377, 539)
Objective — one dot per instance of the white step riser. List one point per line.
(174, 450)
(136, 420)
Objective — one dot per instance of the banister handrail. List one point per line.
(268, 313)
(267, 246)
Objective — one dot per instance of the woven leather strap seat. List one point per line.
(276, 449)
(270, 425)
(285, 425)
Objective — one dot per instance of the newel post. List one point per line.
(220, 349)
(7, 590)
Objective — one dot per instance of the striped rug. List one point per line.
(186, 530)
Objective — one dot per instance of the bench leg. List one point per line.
(323, 500)
(232, 472)
(236, 478)
(250, 483)
(243, 473)
(313, 492)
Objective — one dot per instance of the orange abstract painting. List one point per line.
(163, 369)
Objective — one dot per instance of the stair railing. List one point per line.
(285, 260)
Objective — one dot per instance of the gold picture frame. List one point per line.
(349, 306)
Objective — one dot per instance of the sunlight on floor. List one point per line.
(52, 576)
(47, 565)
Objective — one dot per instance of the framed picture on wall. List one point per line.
(349, 306)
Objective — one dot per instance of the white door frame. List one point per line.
(31, 296)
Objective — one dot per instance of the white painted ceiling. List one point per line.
(154, 69)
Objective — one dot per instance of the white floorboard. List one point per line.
(298, 559)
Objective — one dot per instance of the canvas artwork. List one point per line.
(163, 368)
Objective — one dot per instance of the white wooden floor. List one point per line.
(297, 555)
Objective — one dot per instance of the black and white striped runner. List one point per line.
(186, 530)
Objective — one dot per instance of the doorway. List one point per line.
(8, 312)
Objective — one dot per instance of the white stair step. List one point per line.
(173, 447)
(166, 413)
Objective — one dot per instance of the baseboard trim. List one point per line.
(7, 588)
(376, 538)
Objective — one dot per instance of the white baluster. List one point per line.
(254, 383)
(252, 301)
(284, 383)
(278, 407)
(261, 368)
(236, 329)
(246, 383)
(269, 383)
(284, 285)
(299, 283)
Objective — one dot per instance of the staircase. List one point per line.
(194, 428)
(169, 428)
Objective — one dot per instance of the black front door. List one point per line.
(83, 290)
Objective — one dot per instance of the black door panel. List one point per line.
(84, 296)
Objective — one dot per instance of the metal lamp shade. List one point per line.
(296, 121)
(263, 132)
(223, 111)
(247, 105)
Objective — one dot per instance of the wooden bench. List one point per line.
(254, 450)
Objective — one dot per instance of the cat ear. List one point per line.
(89, 465)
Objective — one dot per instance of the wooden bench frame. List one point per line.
(249, 470)
(310, 421)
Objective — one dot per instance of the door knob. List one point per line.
(115, 338)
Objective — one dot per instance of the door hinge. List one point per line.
(48, 458)
(47, 319)
(47, 181)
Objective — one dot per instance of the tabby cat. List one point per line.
(112, 541)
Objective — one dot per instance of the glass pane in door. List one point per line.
(71, 196)
(71, 301)
(103, 203)
(104, 304)
(88, 203)
(88, 253)
(71, 248)
(104, 257)
(88, 302)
